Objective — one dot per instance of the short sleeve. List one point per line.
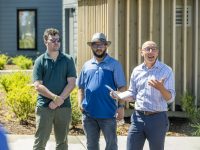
(119, 77)
(71, 70)
(80, 81)
(37, 70)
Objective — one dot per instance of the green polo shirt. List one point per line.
(54, 75)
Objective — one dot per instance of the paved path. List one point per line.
(25, 142)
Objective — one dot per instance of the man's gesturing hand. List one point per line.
(158, 84)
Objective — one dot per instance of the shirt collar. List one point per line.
(105, 60)
(156, 65)
(46, 55)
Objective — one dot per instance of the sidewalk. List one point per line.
(25, 142)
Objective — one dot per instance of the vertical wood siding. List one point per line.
(129, 23)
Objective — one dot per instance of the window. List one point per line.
(26, 29)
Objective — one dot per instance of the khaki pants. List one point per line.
(60, 118)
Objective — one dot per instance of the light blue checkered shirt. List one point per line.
(146, 97)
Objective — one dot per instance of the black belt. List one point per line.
(147, 113)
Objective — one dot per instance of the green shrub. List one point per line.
(17, 79)
(76, 113)
(22, 102)
(3, 61)
(23, 62)
(196, 127)
(188, 105)
(20, 97)
(193, 113)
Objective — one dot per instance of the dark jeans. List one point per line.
(60, 118)
(150, 127)
(92, 128)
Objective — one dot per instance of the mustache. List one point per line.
(97, 55)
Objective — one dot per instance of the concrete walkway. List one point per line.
(25, 142)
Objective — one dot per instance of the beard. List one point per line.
(101, 55)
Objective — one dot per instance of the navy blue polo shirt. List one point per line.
(93, 77)
(54, 75)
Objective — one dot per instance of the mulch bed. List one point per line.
(178, 126)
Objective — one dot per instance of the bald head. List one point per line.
(149, 44)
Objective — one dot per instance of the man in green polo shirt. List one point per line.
(54, 78)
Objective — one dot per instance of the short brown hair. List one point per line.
(50, 31)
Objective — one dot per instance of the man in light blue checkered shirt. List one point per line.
(152, 87)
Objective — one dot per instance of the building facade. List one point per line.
(173, 24)
(22, 24)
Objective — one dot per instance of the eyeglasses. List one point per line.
(96, 46)
(55, 40)
(153, 49)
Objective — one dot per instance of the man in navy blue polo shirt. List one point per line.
(99, 109)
